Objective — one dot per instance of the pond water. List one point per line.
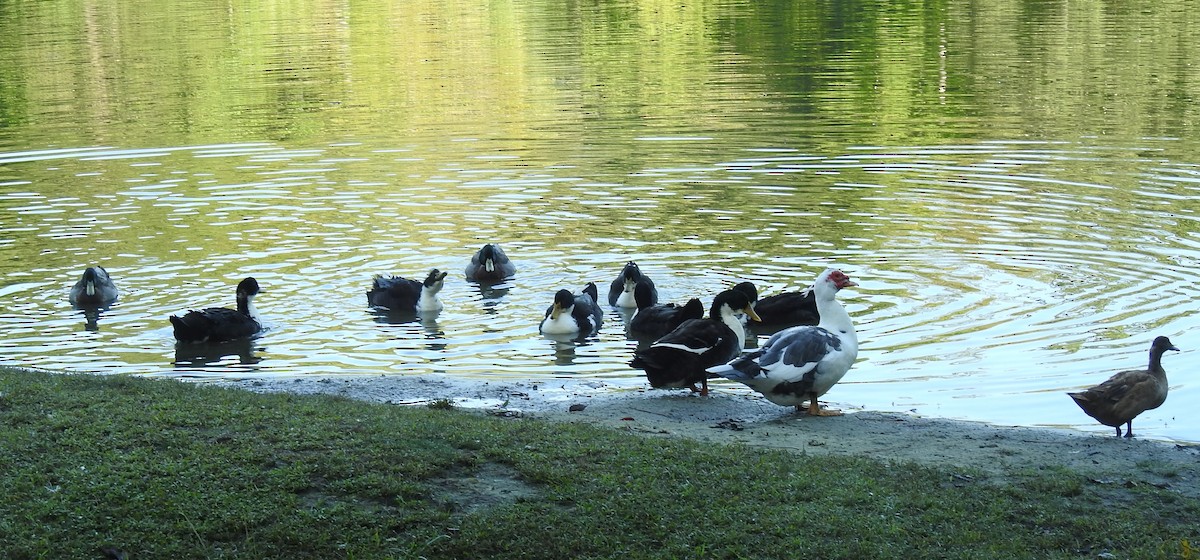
(1015, 187)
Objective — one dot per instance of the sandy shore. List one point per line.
(732, 418)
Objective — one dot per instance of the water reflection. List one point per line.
(91, 317)
(200, 355)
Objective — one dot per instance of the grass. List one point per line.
(161, 469)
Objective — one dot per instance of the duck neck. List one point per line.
(429, 300)
(734, 323)
(1156, 364)
(245, 306)
(834, 316)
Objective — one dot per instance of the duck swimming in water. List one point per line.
(490, 265)
(221, 324)
(573, 314)
(621, 291)
(407, 296)
(94, 289)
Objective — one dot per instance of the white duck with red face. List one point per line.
(800, 364)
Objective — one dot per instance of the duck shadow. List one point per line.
(204, 354)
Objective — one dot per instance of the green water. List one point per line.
(1013, 184)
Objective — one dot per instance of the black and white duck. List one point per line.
(1129, 393)
(407, 296)
(802, 363)
(652, 322)
(573, 314)
(680, 358)
(221, 324)
(94, 289)
(490, 265)
(621, 291)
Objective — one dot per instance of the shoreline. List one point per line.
(996, 451)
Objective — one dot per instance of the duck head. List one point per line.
(730, 302)
(435, 280)
(247, 288)
(564, 302)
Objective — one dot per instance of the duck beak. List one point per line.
(489, 266)
(556, 311)
(91, 288)
(629, 286)
(749, 310)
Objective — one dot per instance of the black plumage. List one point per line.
(652, 322)
(402, 294)
(679, 358)
(490, 265)
(621, 291)
(220, 324)
(573, 314)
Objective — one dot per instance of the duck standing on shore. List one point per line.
(802, 363)
(1129, 393)
(680, 358)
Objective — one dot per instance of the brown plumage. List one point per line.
(1128, 393)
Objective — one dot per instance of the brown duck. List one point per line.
(1128, 393)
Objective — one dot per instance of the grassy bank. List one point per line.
(159, 469)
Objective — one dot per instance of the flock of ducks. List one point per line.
(813, 346)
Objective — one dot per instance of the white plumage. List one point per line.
(802, 363)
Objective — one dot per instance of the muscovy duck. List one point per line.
(802, 363)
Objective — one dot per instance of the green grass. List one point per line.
(161, 469)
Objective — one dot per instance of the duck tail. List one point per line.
(739, 369)
(591, 291)
(184, 331)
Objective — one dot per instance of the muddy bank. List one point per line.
(745, 419)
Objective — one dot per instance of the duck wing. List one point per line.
(789, 308)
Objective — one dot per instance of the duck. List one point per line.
(802, 363)
(408, 296)
(94, 289)
(221, 324)
(620, 293)
(787, 309)
(573, 313)
(679, 358)
(1129, 393)
(652, 322)
(490, 265)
